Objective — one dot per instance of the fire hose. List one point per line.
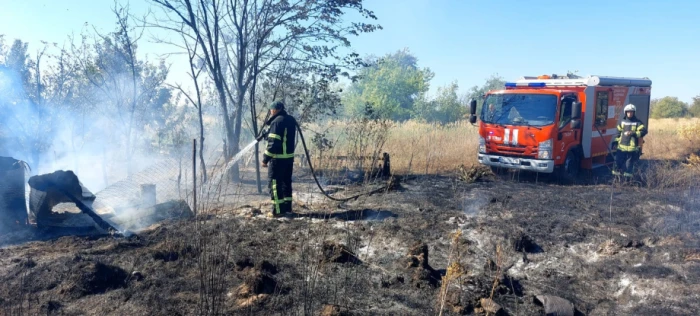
(313, 172)
(607, 147)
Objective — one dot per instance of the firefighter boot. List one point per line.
(616, 175)
(628, 178)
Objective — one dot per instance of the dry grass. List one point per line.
(455, 270)
(670, 150)
(414, 147)
(430, 148)
(421, 148)
(672, 139)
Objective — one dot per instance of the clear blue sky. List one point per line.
(467, 41)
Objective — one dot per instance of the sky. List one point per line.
(462, 40)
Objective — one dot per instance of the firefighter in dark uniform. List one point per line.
(629, 134)
(279, 158)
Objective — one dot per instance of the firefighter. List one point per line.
(629, 134)
(279, 158)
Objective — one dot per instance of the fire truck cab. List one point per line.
(556, 124)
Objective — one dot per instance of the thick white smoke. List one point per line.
(90, 140)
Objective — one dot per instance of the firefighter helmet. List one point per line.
(277, 105)
(630, 107)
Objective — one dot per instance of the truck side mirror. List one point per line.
(575, 124)
(576, 110)
(472, 111)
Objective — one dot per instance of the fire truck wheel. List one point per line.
(569, 170)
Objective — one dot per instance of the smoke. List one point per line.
(103, 128)
(474, 202)
(89, 135)
(91, 139)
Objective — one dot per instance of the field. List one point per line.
(440, 148)
(436, 239)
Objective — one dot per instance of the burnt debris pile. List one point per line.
(13, 210)
(58, 203)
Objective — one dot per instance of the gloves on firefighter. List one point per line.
(628, 133)
(263, 135)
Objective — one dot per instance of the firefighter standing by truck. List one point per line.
(630, 131)
(279, 158)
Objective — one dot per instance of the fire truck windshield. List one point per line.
(519, 109)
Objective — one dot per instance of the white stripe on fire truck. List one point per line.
(515, 137)
(612, 131)
(506, 136)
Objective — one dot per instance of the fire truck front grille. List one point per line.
(520, 151)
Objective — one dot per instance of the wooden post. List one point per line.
(386, 170)
(194, 176)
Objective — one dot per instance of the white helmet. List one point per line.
(630, 107)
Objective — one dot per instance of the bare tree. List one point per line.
(201, 22)
(129, 87)
(304, 33)
(127, 43)
(196, 67)
(245, 38)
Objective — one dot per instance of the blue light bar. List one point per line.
(529, 84)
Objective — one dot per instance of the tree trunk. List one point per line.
(257, 147)
(254, 120)
(231, 141)
(235, 175)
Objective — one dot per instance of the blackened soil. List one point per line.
(435, 243)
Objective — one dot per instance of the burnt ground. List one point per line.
(384, 254)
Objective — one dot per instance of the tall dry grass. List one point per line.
(431, 148)
(423, 148)
(670, 153)
(414, 147)
(670, 139)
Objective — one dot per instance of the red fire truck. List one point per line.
(556, 124)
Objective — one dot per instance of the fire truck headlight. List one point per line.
(544, 150)
(482, 145)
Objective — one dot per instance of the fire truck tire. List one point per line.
(568, 171)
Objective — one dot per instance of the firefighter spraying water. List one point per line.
(279, 158)
(279, 129)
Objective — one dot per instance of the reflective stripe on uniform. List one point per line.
(636, 128)
(284, 154)
(627, 148)
(288, 199)
(279, 156)
(276, 200)
(284, 143)
(639, 129)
